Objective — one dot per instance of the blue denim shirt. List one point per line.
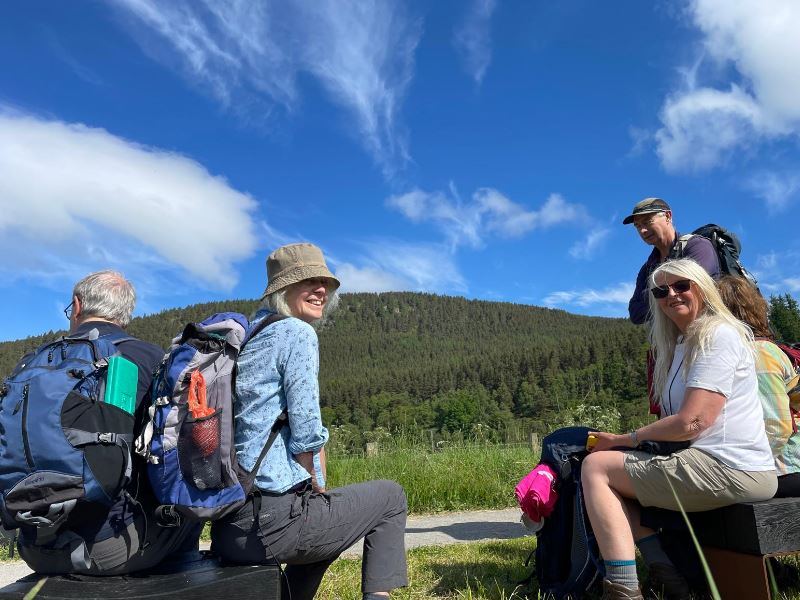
(279, 368)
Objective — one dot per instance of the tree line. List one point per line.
(420, 361)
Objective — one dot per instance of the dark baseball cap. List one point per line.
(648, 205)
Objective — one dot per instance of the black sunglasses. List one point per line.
(680, 286)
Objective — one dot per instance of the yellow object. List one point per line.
(591, 441)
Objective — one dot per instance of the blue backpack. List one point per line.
(188, 438)
(568, 560)
(60, 443)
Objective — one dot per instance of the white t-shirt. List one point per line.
(737, 438)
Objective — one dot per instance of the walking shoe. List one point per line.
(667, 582)
(617, 591)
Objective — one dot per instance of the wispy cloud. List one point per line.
(249, 54)
(777, 190)
(392, 265)
(618, 294)
(75, 198)
(473, 39)
(702, 126)
(487, 213)
(585, 249)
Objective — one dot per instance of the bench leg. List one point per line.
(737, 575)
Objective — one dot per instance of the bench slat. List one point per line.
(206, 579)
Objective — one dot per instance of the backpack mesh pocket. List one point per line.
(199, 451)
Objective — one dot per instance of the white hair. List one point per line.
(107, 295)
(276, 302)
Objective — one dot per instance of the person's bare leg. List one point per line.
(610, 504)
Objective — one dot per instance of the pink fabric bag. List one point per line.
(536, 492)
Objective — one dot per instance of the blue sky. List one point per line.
(483, 148)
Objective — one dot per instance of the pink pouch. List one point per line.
(536, 492)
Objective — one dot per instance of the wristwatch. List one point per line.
(634, 438)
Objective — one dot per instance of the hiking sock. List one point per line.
(622, 572)
(652, 550)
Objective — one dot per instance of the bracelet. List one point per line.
(634, 438)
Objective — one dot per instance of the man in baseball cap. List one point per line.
(652, 218)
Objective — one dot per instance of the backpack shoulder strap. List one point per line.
(263, 324)
(281, 422)
(680, 247)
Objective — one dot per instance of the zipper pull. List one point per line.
(63, 352)
(21, 400)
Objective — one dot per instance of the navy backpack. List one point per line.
(568, 562)
(60, 443)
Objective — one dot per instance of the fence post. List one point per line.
(534, 438)
(371, 449)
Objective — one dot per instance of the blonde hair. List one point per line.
(664, 333)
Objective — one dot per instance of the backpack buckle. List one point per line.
(167, 516)
(107, 438)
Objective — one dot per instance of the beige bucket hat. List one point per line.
(296, 262)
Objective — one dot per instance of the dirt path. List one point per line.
(425, 530)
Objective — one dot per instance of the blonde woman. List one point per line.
(705, 383)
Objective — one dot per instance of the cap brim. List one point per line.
(629, 219)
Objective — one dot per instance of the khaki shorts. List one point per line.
(700, 481)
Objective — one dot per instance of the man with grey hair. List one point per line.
(124, 538)
(652, 218)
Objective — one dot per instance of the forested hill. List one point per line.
(419, 360)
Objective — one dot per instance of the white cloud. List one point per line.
(488, 212)
(74, 198)
(391, 265)
(369, 279)
(245, 54)
(472, 38)
(586, 249)
(703, 126)
(615, 294)
(777, 190)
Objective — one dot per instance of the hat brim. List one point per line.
(629, 219)
(300, 273)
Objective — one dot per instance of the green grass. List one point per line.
(483, 570)
(458, 478)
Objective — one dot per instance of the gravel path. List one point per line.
(430, 530)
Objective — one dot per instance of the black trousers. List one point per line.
(307, 531)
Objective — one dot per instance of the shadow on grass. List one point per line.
(476, 530)
(496, 576)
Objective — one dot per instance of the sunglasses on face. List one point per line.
(679, 287)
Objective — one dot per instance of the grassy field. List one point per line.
(458, 478)
(485, 570)
(481, 571)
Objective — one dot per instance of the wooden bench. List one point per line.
(203, 579)
(738, 539)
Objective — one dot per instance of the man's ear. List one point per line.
(76, 307)
(668, 214)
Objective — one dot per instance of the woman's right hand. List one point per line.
(607, 441)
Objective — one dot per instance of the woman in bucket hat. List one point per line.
(292, 518)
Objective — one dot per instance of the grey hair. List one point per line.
(664, 333)
(276, 302)
(107, 295)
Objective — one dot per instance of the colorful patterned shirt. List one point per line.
(775, 376)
